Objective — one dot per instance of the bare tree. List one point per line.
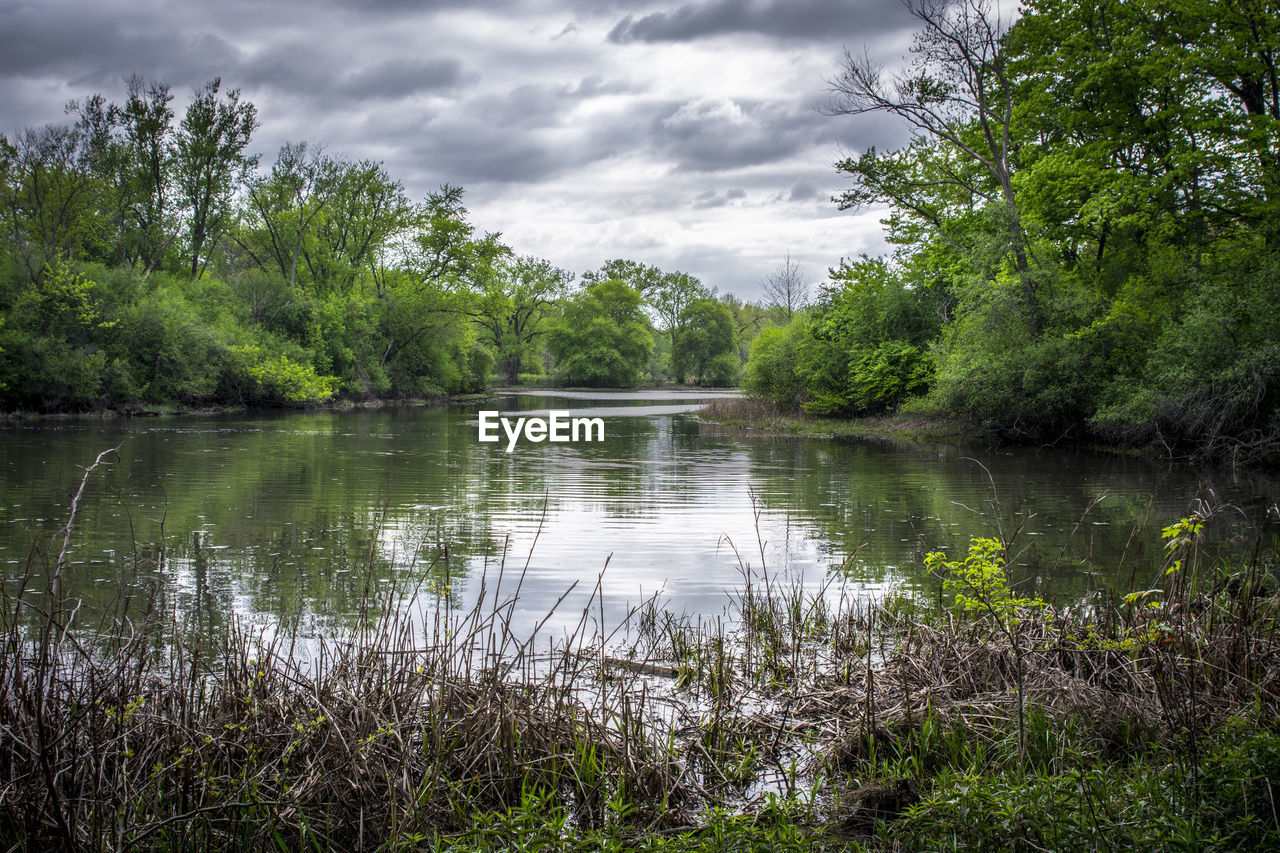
(786, 287)
(955, 90)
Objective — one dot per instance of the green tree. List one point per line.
(366, 214)
(51, 345)
(511, 306)
(705, 348)
(749, 319)
(146, 122)
(602, 338)
(862, 350)
(446, 250)
(642, 277)
(281, 208)
(956, 93)
(770, 372)
(669, 301)
(210, 164)
(108, 158)
(48, 197)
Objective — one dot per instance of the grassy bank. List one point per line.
(802, 719)
(753, 414)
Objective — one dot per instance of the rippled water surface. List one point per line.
(282, 515)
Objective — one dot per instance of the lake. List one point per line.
(272, 516)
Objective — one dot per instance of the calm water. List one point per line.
(276, 516)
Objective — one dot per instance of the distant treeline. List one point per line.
(149, 258)
(1087, 223)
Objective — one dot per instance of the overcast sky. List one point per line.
(682, 134)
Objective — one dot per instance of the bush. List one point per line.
(279, 379)
(882, 378)
(722, 370)
(55, 343)
(770, 373)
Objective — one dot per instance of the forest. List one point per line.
(1084, 227)
(150, 259)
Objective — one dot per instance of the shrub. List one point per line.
(770, 373)
(279, 379)
(882, 378)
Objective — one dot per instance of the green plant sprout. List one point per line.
(981, 586)
(979, 582)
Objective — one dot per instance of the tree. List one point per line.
(675, 293)
(146, 120)
(445, 250)
(1234, 44)
(770, 372)
(48, 205)
(749, 319)
(957, 91)
(210, 163)
(282, 206)
(602, 338)
(705, 348)
(107, 157)
(445, 272)
(511, 305)
(422, 343)
(365, 211)
(862, 350)
(786, 287)
(642, 277)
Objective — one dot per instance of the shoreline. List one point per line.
(174, 409)
(922, 429)
(752, 415)
(153, 410)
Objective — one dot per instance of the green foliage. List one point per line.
(326, 280)
(1209, 380)
(705, 348)
(282, 380)
(979, 582)
(51, 353)
(859, 350)
(180, 350)
(1090, 200)
(1146, 804)
(670, 296)
(511, 306)
(210, 163)
(770, 372)
(539, 823)
(881, 378)
(602, 338)
(1085, 224)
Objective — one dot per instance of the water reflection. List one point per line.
(285, 516)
